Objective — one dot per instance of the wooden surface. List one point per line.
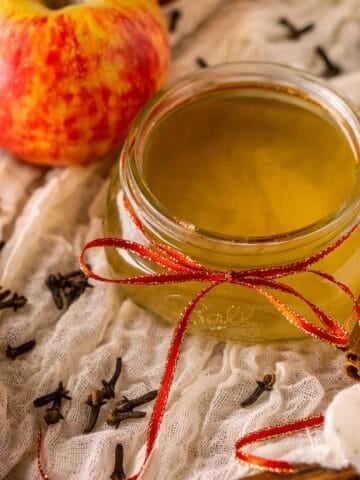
(310, 472)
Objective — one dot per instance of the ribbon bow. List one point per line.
(181, 268)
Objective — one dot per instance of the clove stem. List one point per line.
(109, 387)
(13, 352)
(332, 69)
(175, 16)
(126, 404)
(294, 32)
(57, 4)
(94, 415)
(264, 385)
(201, 62)
(60, 392)
(114, 418)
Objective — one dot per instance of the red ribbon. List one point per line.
(275, 466)
(44, 476)
(181, 268)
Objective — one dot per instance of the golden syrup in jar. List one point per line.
(243, 165)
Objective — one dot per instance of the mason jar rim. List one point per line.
(277, 77)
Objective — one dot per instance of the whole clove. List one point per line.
(331, 68)
(118, 473)
(295, 33)
(53, 414)
(114, 418)
(14, 352)
(54, 284)
(175, 16)
(264, 385)
(126, 405)
(97, 398)
(65, 289)
(124, 409)
(60, 392)
(201, 62)
(11, 300)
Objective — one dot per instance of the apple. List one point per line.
(73, 74)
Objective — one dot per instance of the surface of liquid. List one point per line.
(249, 166)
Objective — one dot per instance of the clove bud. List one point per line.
(53, 414)
(118, 473)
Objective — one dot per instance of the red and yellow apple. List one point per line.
(74, 73)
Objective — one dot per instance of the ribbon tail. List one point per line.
(171, 363)
(325, 319)
(341, 285)
(297, 319)
(276, 466)
(42, 472)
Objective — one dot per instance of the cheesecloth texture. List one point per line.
(46, 216)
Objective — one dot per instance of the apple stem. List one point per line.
(57, 4)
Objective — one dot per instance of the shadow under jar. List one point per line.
(242, 166)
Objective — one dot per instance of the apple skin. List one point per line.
(72, 79)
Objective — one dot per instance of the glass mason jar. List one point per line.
(231, 311)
